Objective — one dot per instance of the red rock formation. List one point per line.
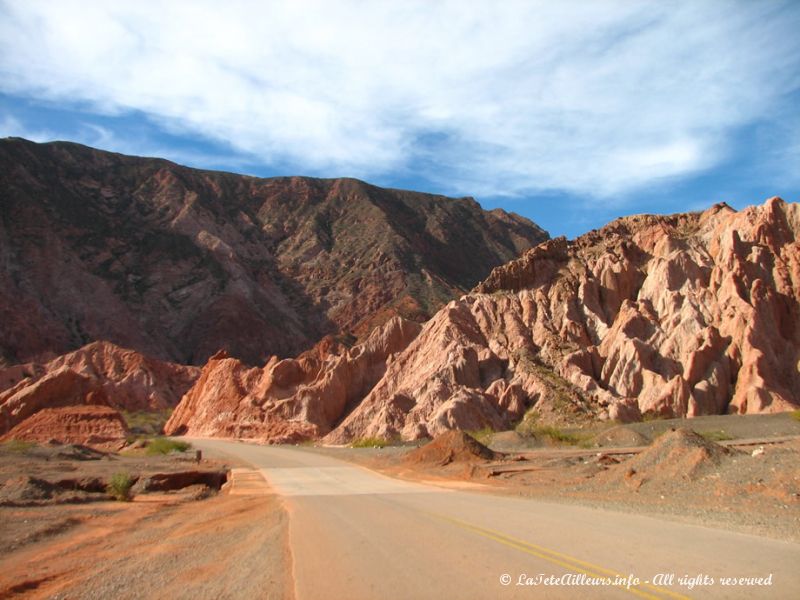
(292, 399)
(177, 262)
(677, 315)
(89, 425)
(62, 387)
(132, 381)
(100, 373)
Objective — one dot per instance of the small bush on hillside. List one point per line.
(716, 436)
(484, 436)
(19, 446)
(163, 445)
(557, 435)
(143, 422)
(370, 442)
(120, 487)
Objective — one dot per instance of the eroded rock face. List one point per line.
(88, 425)
(177, 263)
(100, 373)
(292, 399)
(59, 388)
(679, 315)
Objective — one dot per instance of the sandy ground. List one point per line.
(189, 543)
(158, 548)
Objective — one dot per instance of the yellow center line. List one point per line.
(560, 559)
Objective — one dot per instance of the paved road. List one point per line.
(358, 534)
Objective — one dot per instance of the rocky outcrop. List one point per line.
(178, 263)
(679, 315)
(100, 373)
(454, 377)
(88, 425)
(59, 388)
(292, 399)
(130, 380)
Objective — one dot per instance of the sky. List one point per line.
(570, 113)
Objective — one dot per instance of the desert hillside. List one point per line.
(681, 315)
(179, 263)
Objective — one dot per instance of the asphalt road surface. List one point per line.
(357, 534)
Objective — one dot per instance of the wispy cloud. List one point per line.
(10, 126)
(492, 98)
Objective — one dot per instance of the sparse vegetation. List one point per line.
(528, 422)
(147, 423)
(796, 415)
(558, 435)
(716, 436)
(18, 446)
(162, 445)
(120, 486)
(484, 436)
(529, 426)
(564, 397)
(650, 416)
(370, 442)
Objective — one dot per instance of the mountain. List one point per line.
(178, 263)
(680, 315)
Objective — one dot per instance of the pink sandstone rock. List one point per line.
(680, 315)
(100, 373)
(292, 399)
(88, 425)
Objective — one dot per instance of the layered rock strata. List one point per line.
(87, 425)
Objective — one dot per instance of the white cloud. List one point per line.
(484, 97)
(12, 127)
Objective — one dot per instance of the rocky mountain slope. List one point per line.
(678, 315)
(179, 263)
(288, 400)
(97, 374)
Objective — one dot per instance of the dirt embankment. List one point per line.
(38, 475)
(151, 549)
(61, 536)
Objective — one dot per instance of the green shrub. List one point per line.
(370, 442)
(484, 436)
(143, 423)
(120, 487)
(161, 445)
(557, 435)
(796, 415)
(19, 446)
(716, 436)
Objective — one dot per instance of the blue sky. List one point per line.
(571, 113)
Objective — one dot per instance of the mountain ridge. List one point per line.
(181, 262)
